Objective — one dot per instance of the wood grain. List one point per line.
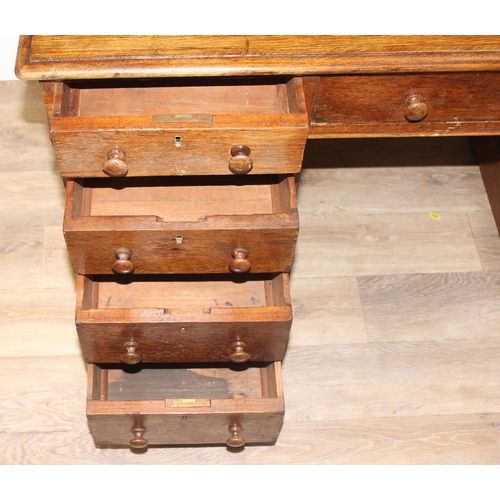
(208, 239)
(176, 321)
(449, 306)
(427, 397)
(385, 244)
(37, 321)
(56, 266)
(151, 148)
(260, 417)
(488, 152)
(194, 137)
(50, 406)
(24, 132)
(458, 439)
(326, 311)
(52, 57)
(380, 379)
(457, 103)
(368, 190)
(485, 234)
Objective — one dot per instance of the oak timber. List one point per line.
(46, 424)
(62, 57)
(434, 397)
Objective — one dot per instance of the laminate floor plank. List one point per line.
(30, 202)
(38, 322)
(326, 311)
(24, 135)
(392, 378)
(30, 199)
(486, 237)
(21, 253)
(326, 192)
(75, 447)
(460, 439)
(354, 245)
(56, 267)
(431, 307)
(42, 394)
(422, 440)
(393, 355)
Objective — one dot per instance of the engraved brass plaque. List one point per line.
(187, 403)
(183, 118)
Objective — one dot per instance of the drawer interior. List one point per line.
(182, 198)
(193, 294)
(173, 99)
(185, 386)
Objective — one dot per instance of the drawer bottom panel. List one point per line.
(185, 405)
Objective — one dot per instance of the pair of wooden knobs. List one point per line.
(123, 264)
(239, 163)
(131, 356)
(235, 441)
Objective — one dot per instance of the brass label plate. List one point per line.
(183, 118)
(187, 403)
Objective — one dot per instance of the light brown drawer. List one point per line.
(165, 405)
(411, 104)
(172, 320)
(177, 127)
(177, 225)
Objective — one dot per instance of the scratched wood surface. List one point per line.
(394, 355)
(57, 57)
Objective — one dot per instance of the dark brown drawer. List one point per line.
(159, 319)
(164, 405)
(177, 225)
(411, 104)
(177, 126)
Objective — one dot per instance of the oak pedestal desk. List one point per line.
(179, 156)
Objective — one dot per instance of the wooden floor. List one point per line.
(394, 355)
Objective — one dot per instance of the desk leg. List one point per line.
(488, 155)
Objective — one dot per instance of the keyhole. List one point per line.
(178, 141)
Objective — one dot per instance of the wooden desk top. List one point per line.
(94, 57)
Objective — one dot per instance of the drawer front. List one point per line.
(137, 151)
(253, 415)
(144, 251)
(168, 127)
(211, 243)
(175, 321)
(416, 104)
(187, 342)
(184, 428)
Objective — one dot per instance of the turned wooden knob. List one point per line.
(235, 441)
(239, 355)
(115, 165)
(130, 356)
(138, 440)
(122, 264)
(416, 109)
(239, 264)
(240, 162)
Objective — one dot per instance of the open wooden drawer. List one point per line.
(177, 225)
(168, 405)
(161, 319)
(177, 126)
